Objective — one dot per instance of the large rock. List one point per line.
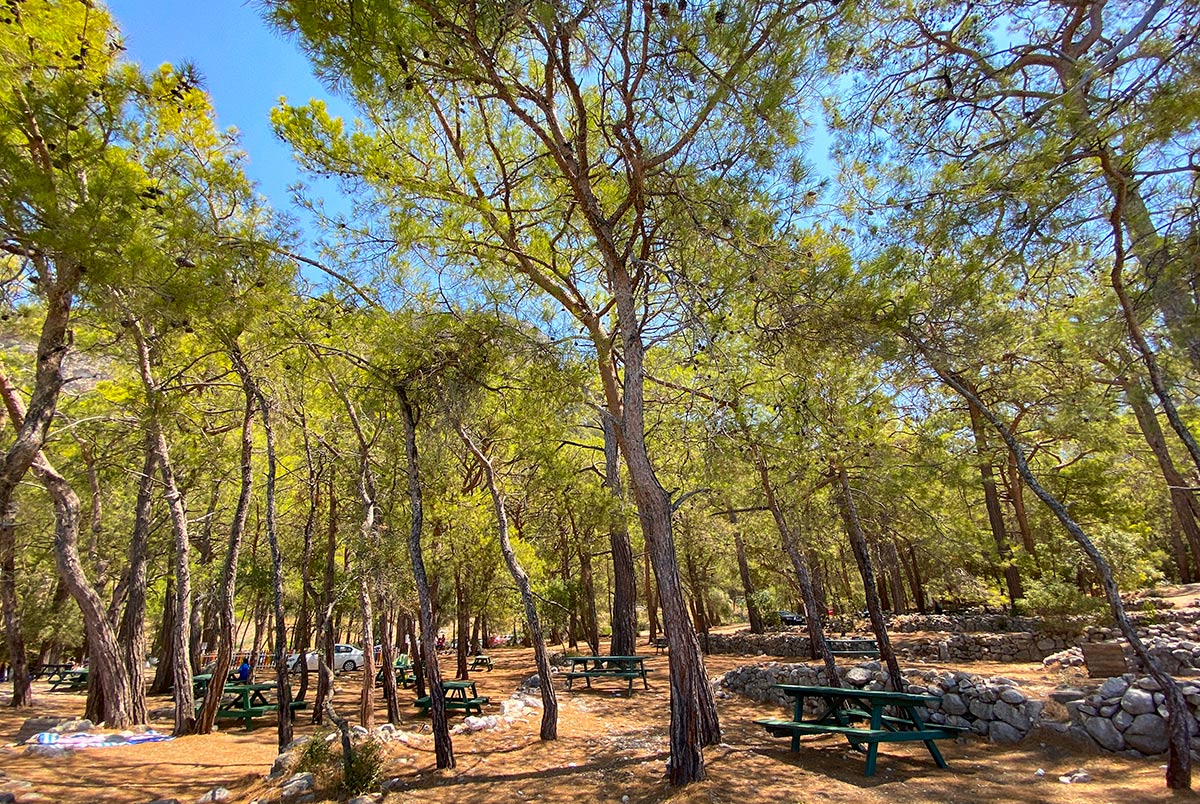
(1137, 701)
(1104, 733)
(1147, 734)
(1113, 688)
(1001, 732)
(952, 704)
(858, 676)
(36, 725)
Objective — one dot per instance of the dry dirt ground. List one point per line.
(609, 747)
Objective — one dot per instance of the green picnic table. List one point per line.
(404, 675)
(460, 695)
(847, 707)
(69, 681)
(626, 668)
(481, 660)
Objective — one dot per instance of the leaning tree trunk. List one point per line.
(694, 721)
(225, 603)
(107, 661)
(791, 546)
(1181, 496)
(442, 746)
(991, 501)
(624, 604)
(1179, 760)
(858, 543)
(739, 545)
(32, 425)
(521, 578)
(105, 654)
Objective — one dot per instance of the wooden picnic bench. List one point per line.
(660, 645)
(70, 681)
(481, 660)
(853, 646)
(598, 667)
(50, 670)
(245, 702)
(461, 696)
(846, 708)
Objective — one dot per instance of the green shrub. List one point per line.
(366, 768)
(1062, 607)
(322, 757)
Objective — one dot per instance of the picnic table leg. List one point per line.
(873, 746)
(930, 744)
(797, 715)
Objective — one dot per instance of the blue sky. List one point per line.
(246, 66)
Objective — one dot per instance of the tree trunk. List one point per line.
(283, 687)
(694, 721)
(651, 598)
(791, 546)
(107, 666)
(325, 619)
(624, 603)
(755, 616)
(132, 633)
(443, 747)
(858, 544)
(991, 499)
(164, 672)
(462, 624)
(1181, 496)
(228, 583)
(32, 425)
(387, 661)
(591, 623)
(1179, 768)
(549, 729)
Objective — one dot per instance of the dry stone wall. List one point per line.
(995, 708)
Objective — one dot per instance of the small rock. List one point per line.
(1077, 776)
(216, 794)
(1039, 773)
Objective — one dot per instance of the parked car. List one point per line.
(790, 618)
(345, 658)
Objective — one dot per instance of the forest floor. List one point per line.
(610, 747)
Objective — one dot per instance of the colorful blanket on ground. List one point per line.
(83, 739)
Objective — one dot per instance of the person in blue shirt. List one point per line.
(244, 671)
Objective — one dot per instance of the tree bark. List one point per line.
(812, 610)
(1179, 768)
(1181, 496)
(624, 604)
(549, 730)
(443, 747)
(132, 633)
(225, 601)
(858, 544)
(325, 620)
(991, 499)
(739, 545)
(591, 622)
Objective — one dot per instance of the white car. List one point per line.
(345, 658)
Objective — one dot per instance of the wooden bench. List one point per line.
(846, 707)
(70, 681)
(588, 675)
(464, 705)
(1104, 659)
